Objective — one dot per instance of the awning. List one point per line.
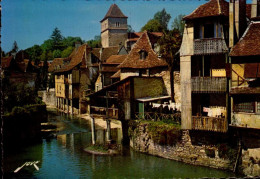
(149, 99)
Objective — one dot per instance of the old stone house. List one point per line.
(207, 81)
(245, 79)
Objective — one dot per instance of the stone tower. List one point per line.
(113, 27)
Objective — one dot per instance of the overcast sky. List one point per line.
(31, 22)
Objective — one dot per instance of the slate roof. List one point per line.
(210, 9)
(6, 61)
(133, 58)
(252, 70)
(113, 12)
(249, 43)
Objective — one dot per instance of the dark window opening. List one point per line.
(197, 31)
(244, 104)
(143, 55)
(209, 31)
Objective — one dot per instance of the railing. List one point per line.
(151, 116)
(112, 112)
(210, 46)
(209, 123)
(208, 84)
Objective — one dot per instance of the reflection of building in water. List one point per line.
(100, 134)
(62, 139)
(71, 141)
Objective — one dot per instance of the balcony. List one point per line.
(209, 123)
(210, 46)
(208, 84)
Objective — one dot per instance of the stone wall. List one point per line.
(183, 151)
(216, 150)
(48, 97)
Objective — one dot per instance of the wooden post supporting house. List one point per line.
(93, 131)
(108, 130)
(67, 102)
(71, 104)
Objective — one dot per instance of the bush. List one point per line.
(19, 111)
(210, 153)
(164, 134)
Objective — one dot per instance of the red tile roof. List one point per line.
(249, 44)
(6, 61)
(56, 64)
(116, 75)
(154, 36)
(76, 58)
(109, 68)
(133, 58)
(113, 12)
(106, 52)
(116, 59)
(210, 9)
(252, 70)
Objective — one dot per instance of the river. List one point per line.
(64, 157)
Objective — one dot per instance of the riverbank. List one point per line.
(100, 122)
(215, 150)
(23, 124)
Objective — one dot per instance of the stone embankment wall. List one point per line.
(216, 150)
(48, 97)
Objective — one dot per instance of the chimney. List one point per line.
(237, 20)
(255, 8)
(77, 45)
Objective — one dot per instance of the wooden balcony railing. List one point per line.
(101, 111)
(210, 46)
(152, 116)
(209, 123)
(208, 84)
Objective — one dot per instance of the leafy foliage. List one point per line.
(170, 44)
(15, 47)
(96, 42)
(178, 23)
(56, 38)
(163, 18)
(152, 26)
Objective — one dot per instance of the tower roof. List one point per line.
(210, 9)
(114, 11)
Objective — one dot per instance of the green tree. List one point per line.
(163, 18)
(152, 26)
(66, 52)
(170, 44)
(70, 41)
(56, 54)
(178, 23)
(47, 45)
(56, 38)
(95, 43)
(34, 53)
(15, 47)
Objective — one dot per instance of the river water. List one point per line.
(64, 157)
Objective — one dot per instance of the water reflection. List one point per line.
(64, 157)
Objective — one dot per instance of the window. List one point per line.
(143, 54)
(117, 24)
(246, 104)
(209, 30)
